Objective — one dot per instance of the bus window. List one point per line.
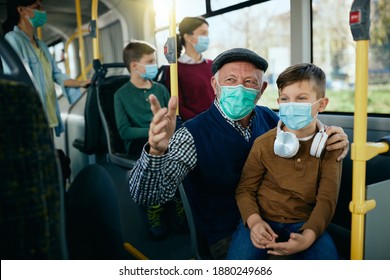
(57, 52)
(264, 28)
(334, 50)
(220, 4)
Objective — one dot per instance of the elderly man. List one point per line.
(211, 149)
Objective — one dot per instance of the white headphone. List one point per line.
(287, 145)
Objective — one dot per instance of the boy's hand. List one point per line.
(297, 243)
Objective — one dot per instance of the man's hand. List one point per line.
(337, 140)
(162, 126)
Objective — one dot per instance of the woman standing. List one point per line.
(194, 71)
(23, 17)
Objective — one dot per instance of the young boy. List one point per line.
(132, 109)
(133, 115)
(289, 185)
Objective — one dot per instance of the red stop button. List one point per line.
(354, 17)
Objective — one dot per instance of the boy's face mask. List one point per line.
(296, 115)
(151, 71)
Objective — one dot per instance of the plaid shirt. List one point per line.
(154, 179)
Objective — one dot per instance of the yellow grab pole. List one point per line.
(68, 42)
(81, 40)
(39, 33)
(361, 151)
(173, 65)
(359, 22)
(95, 40)
(359, 206)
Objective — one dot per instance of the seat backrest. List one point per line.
(95, 140)
(93, 217)
(200, 248)
(106, 92)
(32, 210)
(32, 218)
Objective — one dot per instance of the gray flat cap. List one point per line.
(238, 54)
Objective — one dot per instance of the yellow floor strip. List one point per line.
(132, 250)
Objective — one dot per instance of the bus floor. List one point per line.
(176, 246)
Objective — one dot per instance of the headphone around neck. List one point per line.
(287, 144)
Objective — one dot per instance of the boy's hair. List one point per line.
(303, 72)
(135, 50)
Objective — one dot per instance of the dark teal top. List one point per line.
(132, 110)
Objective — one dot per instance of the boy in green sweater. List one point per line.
(133, 116)
(132, 108)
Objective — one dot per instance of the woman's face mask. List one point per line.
(39, 18)
(296, 115)
(202, 45)
(237, 101)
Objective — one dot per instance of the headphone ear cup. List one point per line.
(286, 144)
(318, 144)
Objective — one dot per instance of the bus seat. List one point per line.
(32, 219)
(1, 67)
(200, 247)
(116, 148)
(94, 141)
(342, 239)
(93, 218)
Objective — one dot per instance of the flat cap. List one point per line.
(238, 54)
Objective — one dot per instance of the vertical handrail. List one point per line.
(81, 40)
(67, 44)
(39, 33)
(95, 40)
(361, 151)
(359, 20)
(173, 65)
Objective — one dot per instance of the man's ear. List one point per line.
(263, 87)
(214, 84)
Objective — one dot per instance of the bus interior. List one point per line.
(87, 39)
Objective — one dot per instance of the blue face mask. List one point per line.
(296, 115)
(202, 45)
(150, 71)
(39, 18)
(237, 101)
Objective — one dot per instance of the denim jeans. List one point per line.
(242, 248)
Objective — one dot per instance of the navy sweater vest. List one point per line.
(221, 154)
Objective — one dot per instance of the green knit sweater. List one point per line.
(132, 110)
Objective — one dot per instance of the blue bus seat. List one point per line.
(106, 91)
(94, 141)
(93, 218)
(32, 218)
(199, 245)
(32, 195)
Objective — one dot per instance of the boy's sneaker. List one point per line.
(153, 216)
